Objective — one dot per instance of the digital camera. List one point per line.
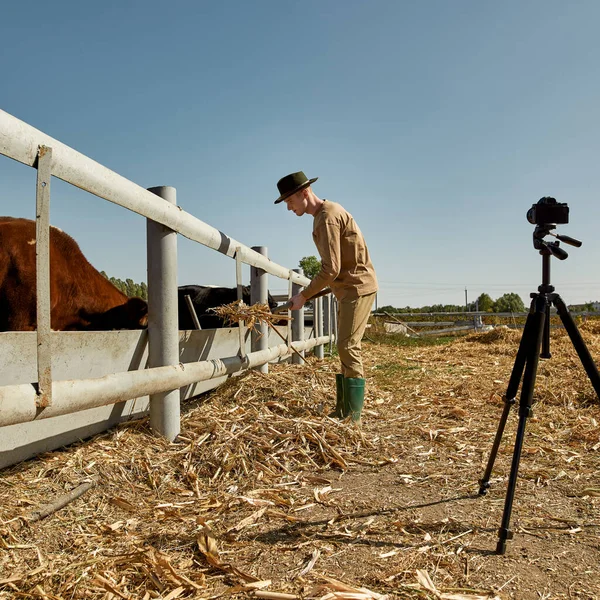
(548, 210)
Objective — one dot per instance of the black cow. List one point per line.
(203, 298)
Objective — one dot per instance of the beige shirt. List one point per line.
(345, 264)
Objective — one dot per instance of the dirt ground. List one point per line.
(264, 495)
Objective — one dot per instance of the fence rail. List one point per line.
(21, 142)
(18, 401)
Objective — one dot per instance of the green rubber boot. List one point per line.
(339, 397)
(354, 395)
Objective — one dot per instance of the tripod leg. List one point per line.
(584, 354)
(546, 339)
(509, 398)
(533, 355)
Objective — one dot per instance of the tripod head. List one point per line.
(545, 215)
(552, 248)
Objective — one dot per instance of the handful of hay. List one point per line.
(251, 315)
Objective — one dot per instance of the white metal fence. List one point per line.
(25, 402)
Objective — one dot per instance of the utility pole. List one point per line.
(466, 302)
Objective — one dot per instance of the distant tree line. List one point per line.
(510, 302)
(586, 306)
(129, 287)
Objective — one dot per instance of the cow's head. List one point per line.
(272, 303)
(131, 315)
(136, 313)
(246, 294)
(246, 297)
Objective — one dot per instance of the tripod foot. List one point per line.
(503, 535)
(484, 486)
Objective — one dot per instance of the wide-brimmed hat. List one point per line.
(292, 183)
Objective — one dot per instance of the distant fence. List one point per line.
(455, 323)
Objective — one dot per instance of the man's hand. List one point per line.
(298, 301)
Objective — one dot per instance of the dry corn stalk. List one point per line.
(238, 311)
(251, 315)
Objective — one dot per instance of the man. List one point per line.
(347, 269)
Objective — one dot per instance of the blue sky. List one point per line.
(437, 124)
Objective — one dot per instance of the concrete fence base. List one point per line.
(106, 365)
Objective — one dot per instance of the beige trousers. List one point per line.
(352, 321)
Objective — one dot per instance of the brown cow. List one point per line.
(81, 298)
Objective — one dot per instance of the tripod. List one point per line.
(536, 337)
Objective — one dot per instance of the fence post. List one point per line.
(259, 293)
(327, 319)
(42, 261)
(318, 323)
(334, 318)
(240, 297)
(163, 325)
(298, 322)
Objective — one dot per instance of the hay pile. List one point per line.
(264, 495)
(144, 530)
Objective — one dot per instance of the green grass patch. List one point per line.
(398, 340)
(395, 368)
